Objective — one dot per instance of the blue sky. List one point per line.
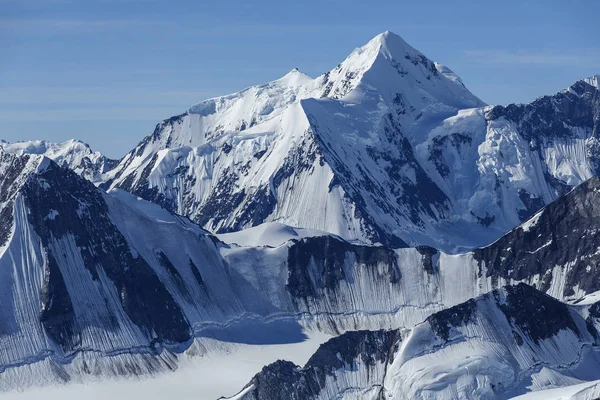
(106, 71)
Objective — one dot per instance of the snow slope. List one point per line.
(388, 147)
(124, 286)
(582, 391)
(330, 154)
(509, 341)
(197, 378)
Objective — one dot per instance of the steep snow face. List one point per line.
(504, 343)
(332, 154)
(388, 147)
(72, 154)
(113, 284)
(110, 284)
(499, 165)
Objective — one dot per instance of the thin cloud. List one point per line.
(147, 113)
(33, 26)
(11, 96)
(583, 57)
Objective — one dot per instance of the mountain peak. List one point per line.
(295, 78)
(389, 44)
(395, 68)
(593, 80)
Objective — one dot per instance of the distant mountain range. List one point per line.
(450, 246)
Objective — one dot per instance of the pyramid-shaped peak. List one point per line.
(389, 44)
(388, 38)
(295, 78)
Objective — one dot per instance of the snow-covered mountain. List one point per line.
(316, 189)
(501, 344)
(104, 284)
(72, 154)
(107, 284)
(387, 147)
(333, 153)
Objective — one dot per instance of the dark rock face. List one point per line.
(222, 201)
(538, 315)
(547, 116)
(78, 209)
(370, 347)
(563, 234)
(534, 313)
(592, 322)
(459, 141)
(413, 197)
(428, 254)
(255, 210)
(546, 121)
(284, 380)
(441, 322)
(532, 204)
(57, 315)
(329, 256)
(14, 167)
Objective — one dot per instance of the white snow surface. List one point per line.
(243, 297)
(219, 373)
(289, 139)
(386, 145)
(271, 234)
(479, 359)
(593, 80)
(582, 391)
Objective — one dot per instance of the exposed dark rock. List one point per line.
(536, 314)
(78, 209)
(316, 264)
(532, 204)
(563, 234)
(284, 380)
(57, 315)
(442, 321)
(428, 253)
(8, 189)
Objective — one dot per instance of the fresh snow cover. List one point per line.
(593, 80)
(297, 150)
(511, 341)
(73, 154)
(196, 378)
(387, 147)
(250, 294)
(271, 234)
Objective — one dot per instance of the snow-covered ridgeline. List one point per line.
(387, 147)
(93, 262)
(262, 154)
(72, 154)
